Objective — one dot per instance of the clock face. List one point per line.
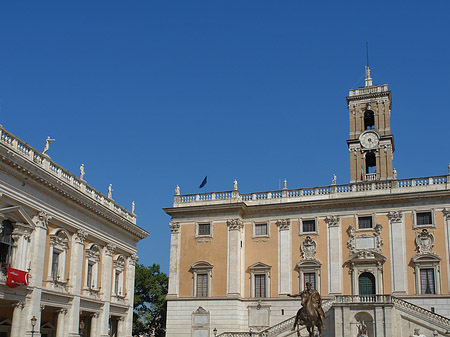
(369, 139)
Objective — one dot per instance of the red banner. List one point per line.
(16, 278)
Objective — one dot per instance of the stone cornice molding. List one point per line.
(109, 249)
(174, 227)
(80, 236)
(332, 220)
(283, 224)
(235, 224)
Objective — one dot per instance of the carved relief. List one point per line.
(378, 238)
(60, 239)
(283, 224)
(42, 219)
(133, 259)
(424, 242)
(351, 243)
(395, 216)
(332, 220)
(235, 224)
(308, 248)
(174, 227)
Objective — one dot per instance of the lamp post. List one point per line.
(33, 324)
(215, 332)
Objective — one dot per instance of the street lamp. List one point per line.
(215, 332)
(33, 324)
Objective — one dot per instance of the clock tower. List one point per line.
(370, 143)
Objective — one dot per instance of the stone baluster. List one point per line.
(16, 319)
(107, 274)
(235, 227)
(60, 322)
(284, 256)
(175, 233)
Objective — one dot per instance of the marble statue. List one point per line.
(110, 191)
(235, 187)
(81, 171)
(394, 173)
(177, 190)
(132, 207)
(362, 330)
(417, 333)
(47, 144)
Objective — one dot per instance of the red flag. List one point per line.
(16, 278)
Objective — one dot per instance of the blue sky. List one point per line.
(151, 94)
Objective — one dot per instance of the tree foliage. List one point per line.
(150, 292)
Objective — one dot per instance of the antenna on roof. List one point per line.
(368, 80)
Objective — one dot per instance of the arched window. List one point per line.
(59, 244)
(119, 268)
(371, 163)
(366, 284)
(6, 244)
(369, 120)
(202, 277)
(91, 272)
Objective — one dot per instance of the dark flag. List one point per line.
(203, 182)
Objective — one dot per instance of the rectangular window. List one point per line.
(311, 278)
(260, 285)
(424, 218)
(309, 226)
(116, 283)
(204, 229)
(427, 281)
(89, 275)
(55, 265)
(202, 285)
(364, 222)
(260, 229)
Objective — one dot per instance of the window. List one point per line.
(260, 285)
(424, 218)
(371, 164)
(366, 284)
(202, 277)
(369, 120)
(93, 258)
(309, 226)
(261, 229)
(427, 284)
(364, 222)
(119, 267)
(6, 229)
(55, 265)
(311, 278)
(117, 290)
(202, 285)
(204, 229)
(89, 275)
(259, 280)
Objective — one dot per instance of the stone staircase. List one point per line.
(440, 325)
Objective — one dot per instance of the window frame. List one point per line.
(427, 261)
(197, 229)
(261, 223)
(264, 270)
(59, 244)
(307, 219)
(8, 246)
(358, 219)
(415, 219)
(433, 274)
(308, 267)
(119, 269)
(201, 268)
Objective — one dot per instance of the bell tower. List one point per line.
(370, 143)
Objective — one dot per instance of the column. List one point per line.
(234, 275)
(103, 321)
(21, 236)
(334, 241)
(16, 319)
(397, 243)
(76, 272)
(338, 322)
(284, 257)
(174, 277)
(121, 327)
(379, 322)
(446, 213)
(60, 322)
(94, 320)
(128, 320)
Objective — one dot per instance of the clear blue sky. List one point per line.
(151, 94)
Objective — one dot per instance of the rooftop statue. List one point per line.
(81, 171)
(47, 144)
(311, 313)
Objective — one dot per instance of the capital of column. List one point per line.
(110, 248)
(133, 259)
(42, 219)
(395, 216)
(61, 311)
(95, 315)
(332, 220)
(80, 236)
(283, 224)
(19, 305)
(174, 227)
(235, 224)
(446, 213)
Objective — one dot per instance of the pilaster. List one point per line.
(128, 320)
(334, 241)
(284, 257)
(174, 278)
(446, 214)
(103, 321)
(397, 243)
(60, 323)
(235, 227)
(17, 319)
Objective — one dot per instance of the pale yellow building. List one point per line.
(377, 248)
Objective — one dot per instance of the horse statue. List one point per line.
(311, 313)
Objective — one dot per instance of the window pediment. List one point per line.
(363, 256)
(259, 265)
(16, 214)
(308, 263)
(201, 265)
(60, 239)
(426, 257)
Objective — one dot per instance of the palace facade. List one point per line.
(74, 248)
(377, 249)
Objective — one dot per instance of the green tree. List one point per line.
(150, 290)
